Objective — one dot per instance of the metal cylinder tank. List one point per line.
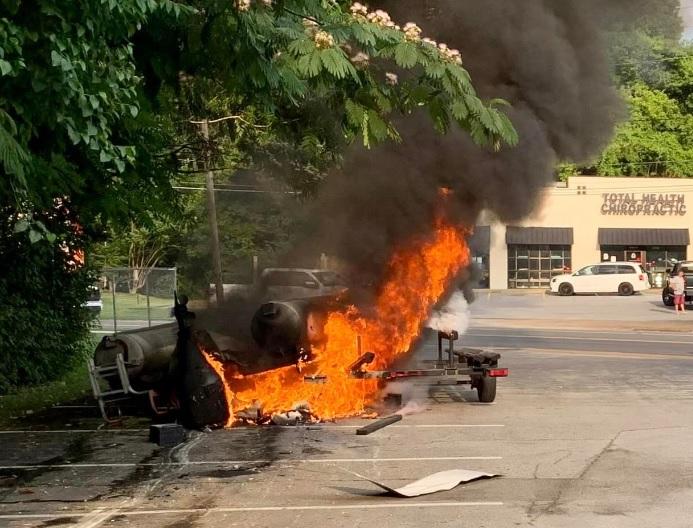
(147, 353)
(284, 327)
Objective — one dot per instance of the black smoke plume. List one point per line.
(547, 58)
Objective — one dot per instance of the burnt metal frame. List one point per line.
(477, 365)
(105, 398)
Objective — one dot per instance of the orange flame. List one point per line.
(416, 279)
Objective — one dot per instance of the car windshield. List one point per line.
(686, 267)
(287, 278)
(328, 278)
(589, 270)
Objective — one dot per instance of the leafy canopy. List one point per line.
(655, 73)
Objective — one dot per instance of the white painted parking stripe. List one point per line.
(183, 511)
(568, 338)
(607, 354)
(241, 462)
(312, 427)
(57, 431)
(485, 328)
(96, 518)
(410, 426)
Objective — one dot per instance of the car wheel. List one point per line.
(667, 299)
(566, 289)
(486, 389)
(625, 289)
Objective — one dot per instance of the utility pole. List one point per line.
(212, 214)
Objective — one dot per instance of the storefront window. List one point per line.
(534, 266)
(656, 259)
(481, 268)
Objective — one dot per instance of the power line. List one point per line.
(216, 189)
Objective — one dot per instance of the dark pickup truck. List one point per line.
(668, 293)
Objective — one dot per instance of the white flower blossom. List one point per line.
(429, 41)
(323, 40)
(243, 5)
(412, 31)
(358, 9)
(361, 59)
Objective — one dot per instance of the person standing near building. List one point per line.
(678, 284)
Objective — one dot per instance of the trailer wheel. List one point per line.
(486, 389)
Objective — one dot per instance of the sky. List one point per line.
(687, 15)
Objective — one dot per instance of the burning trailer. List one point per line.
(326, 360)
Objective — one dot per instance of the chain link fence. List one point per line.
(133, 298)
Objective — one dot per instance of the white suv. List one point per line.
(623, 278)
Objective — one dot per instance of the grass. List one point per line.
(29, 400)
(132, 306)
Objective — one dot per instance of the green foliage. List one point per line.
(43, 326)
(657, 140)
(24, 400)
(100, 110)
(271, 59)
(655, 72)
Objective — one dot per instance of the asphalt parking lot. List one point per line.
(592, 428)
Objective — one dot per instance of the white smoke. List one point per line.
(453, 316)
(411, 407)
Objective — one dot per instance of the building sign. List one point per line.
(643, 204)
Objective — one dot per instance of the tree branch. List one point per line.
(228, 118)
(299, 15)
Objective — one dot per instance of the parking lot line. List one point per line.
(240, 462)
(410, 426)
(569, 338)
(634, 332)
(60, 431)
(608, 355)
(184, 511)
(312, 427)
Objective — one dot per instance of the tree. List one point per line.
(657, 140)
(261, 69)
(69, 122)
(287, 105)
(655, 72)
(100, 103)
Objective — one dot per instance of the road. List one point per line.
(593, 428)
(592, 340)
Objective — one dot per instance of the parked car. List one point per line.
(623, 278)
(287, 284)
(668, 293)
(94, 303)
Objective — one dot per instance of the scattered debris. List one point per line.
(166, 435)
(441, 481)
(287, 418)
(299, 413)
(375, 426)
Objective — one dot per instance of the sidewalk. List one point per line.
(642, 312)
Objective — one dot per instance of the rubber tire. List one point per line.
(625, 289)
(566, 289)
(486, 389)
(667, 299)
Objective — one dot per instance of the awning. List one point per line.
(480, 241)
(644, 237)
(539, 236)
